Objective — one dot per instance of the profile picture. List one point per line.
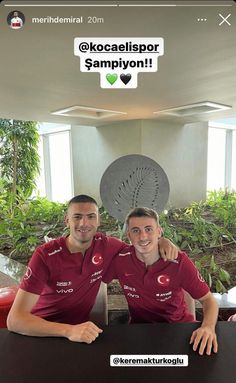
(15, 19)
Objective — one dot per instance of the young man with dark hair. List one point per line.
(63, 277)
(154, 289)
(82, 198)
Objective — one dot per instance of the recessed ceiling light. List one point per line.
(197, 108)
(86, 112)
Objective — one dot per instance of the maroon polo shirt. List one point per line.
(155, 293)
(68, 283)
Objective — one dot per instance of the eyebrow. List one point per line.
(145, 227)
(80, 214)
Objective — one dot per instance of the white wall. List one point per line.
(94, 149)
(180, 150)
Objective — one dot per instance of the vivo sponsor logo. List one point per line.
(97, 273)
(64, 284)
(63, 291)
(95, 279)
(130, 295)
(55, 251)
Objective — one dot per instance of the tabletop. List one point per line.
(26, 359)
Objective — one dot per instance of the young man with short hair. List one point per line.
(154, 289)
(63, 277)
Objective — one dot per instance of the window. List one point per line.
(40, 182)
(233, 179)
(60, 166)
(216, 159)
(55, 180)
(221, 167)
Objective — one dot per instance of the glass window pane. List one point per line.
(40, 182)
(216, 159)
(59, 146)
(233, 179)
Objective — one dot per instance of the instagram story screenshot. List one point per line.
(125, 105)
(124, 77)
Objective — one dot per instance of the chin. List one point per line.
(146, 250)
(142, 251)
(84, 240)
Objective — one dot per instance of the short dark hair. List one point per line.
(82, 198)
(141, 212)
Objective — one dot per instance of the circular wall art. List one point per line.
(132, 181)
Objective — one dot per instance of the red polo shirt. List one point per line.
(68, 283)
(155, 293)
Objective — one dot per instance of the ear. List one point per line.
(127, 232)
(99, 219)
(159, 231)
(66, 220)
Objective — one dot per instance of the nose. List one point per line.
(83, 221)
(142, 235)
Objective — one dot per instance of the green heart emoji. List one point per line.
(111, 78)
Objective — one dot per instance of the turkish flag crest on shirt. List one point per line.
(163, 280)
(97, 259)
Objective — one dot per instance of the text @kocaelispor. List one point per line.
(118, 60)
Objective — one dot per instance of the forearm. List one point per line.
(32, 325)
(210, 312)
(205, 336)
